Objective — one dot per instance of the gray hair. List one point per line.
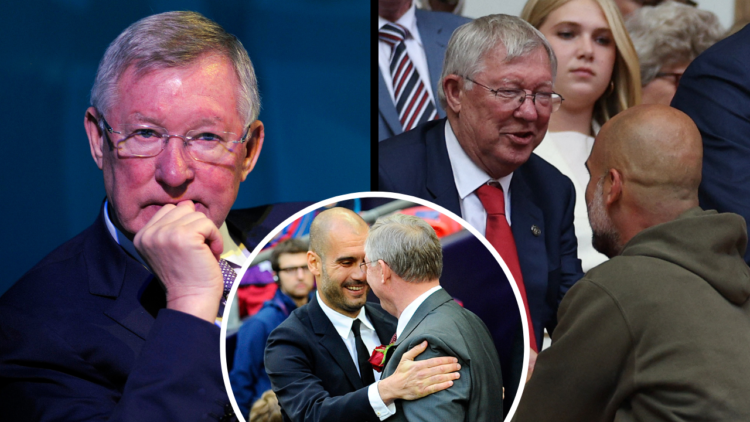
(173, 39)
(408, 245)
(471, 41)
(669, 34)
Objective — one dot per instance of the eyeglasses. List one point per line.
(294, 270)
(674, 77)
(364, 264)
(143, 141)
(547, 102)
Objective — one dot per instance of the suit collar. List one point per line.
(436, 39)
(330, 340)
(113, 273)
(440, 183)
(436, 299)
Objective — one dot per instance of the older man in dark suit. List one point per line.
(317, 359)
(479, 164)
(118, 323)
(404, 261)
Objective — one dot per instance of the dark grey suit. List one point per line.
(452, 330)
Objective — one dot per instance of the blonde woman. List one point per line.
(598, 76)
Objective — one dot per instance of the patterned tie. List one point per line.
(499, 235)
(413, 101)
(229, 276)
(365, 369)
(390, 352)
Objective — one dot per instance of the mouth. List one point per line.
(521, 138)
(583, 71)
(357, 288)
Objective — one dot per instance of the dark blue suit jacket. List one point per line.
(435, 30)
(311, 371)
(715, 93)
(84, 335)
(416, 163)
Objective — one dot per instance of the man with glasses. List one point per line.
(496, 88)
(119, 322)
(295, 281)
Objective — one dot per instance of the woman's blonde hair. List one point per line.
(626, 74)
(266, 409)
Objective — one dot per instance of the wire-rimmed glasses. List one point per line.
(547, 102)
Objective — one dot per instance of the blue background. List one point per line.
(312, 59)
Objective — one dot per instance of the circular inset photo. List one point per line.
(374, 305)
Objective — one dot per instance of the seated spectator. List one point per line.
(597, 75)
(248, 376)
(667, 38)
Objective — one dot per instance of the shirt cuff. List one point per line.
(381, 410)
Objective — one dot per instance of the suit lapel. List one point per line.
(120, 277)
(532, 251)
(330, 340)
(440, 184)
(386, 107)
(435, 40)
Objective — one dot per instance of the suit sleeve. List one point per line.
(175, 376)
(575, 378)
(248, 363)
(301, 393)
(446, 405)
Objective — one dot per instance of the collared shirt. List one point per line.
(468, 178)
(343, 326)
(408, 312)
(414, 48)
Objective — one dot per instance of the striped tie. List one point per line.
(413, 101)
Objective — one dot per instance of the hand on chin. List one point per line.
(182, 246)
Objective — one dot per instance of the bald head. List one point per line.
(331, 222)
(647, 164)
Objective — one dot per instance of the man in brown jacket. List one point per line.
(661, 331)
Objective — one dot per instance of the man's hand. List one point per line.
(414, 380)
(532, 363)
(182, 247)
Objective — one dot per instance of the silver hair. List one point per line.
(408, 245)
(471, 41)
(670, 34)
(173, 39)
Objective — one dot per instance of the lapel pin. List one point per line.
(535, 230)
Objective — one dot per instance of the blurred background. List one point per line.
(312, 61)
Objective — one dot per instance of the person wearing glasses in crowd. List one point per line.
(497, 90)
(597, 74)
(295, 282)
(667, 38)
(119, 323)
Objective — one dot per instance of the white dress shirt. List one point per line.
(468, 178)
(343, 326)
(414, 48)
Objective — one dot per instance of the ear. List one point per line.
(452, 85)
(254, 144)
(613, 186)
(386, 271)
(96, 136)
(314, 264)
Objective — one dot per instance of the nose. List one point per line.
(174, 165)
(527, 110)
(360, 274)
(585, 48)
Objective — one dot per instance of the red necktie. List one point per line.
(499, 235)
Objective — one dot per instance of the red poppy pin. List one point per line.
(377, 360)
